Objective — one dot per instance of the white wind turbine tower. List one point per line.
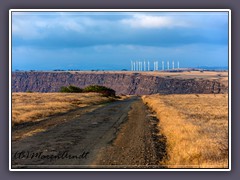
(144, 65)
(137, 66)
(134, 66)
(163, 65)
(157, 65)
(131, 66)
(168, 65)
(173, 65)
(148, 66)
(140, 66)
(178, 64)
(154, 65)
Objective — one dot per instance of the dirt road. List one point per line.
(116, 135)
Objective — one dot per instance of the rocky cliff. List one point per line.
(122, 83)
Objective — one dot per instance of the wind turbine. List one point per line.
(168, 65)
(173, 65)
(163, 65)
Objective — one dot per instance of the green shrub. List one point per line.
(70, 89)
(64, 89)
(105, 91)
(74, 89)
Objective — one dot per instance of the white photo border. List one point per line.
(122, 10)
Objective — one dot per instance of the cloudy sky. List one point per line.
(110, 40)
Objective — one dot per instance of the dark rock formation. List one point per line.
(134, 83)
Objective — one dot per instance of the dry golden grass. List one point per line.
(28, 107)
(196, 128)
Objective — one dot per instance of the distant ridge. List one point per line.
(127, 83)
(213, 68)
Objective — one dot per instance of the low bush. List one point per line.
(70, 89)
(105, 91)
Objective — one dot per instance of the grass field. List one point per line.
(37, 106)
(196, 128)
